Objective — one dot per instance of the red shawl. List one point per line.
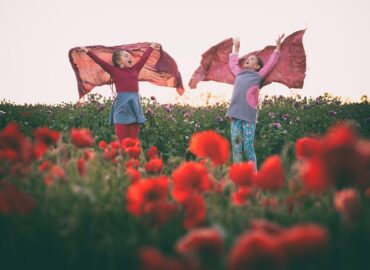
(290, 69)
(160, 69)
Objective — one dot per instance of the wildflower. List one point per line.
(144, 192)
(210, 144)
(81, 137)
(154, 165)
(152, 152)
(189, 178)
(203, 242)
(195, 211)
(256, 250)
(242, 173)
(271, 175)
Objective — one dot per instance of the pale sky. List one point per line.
(37, 35)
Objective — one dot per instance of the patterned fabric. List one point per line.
(242, 135)
(126, 109)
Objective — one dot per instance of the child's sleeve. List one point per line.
(233, 63)
(139, 65)
(106, 66)
(271, 63)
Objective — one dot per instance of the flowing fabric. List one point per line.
(290, 69)
(160, 69)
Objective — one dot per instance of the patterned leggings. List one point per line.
(242, 133)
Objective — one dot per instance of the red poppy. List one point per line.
(152, 259)
(12, 200)
(89, 155)
(256, 250)
(189, 178)
(152, 152)
(195, 211)
(39, 150)
(271, 175)
(307, 147)
(102, 144)
(240, 197)
(133, 152)
(242, 173)
(81, 137)
(304, 242)
(14, 146)
(347, 203)
(209, 144)
(81, 166)
(115, 145)
(134, 175)
(314, 176)
(46, 136)
(45, 165)
(132, 163)
(203, 242)
(109, 154)
(129, 142)
(146, 191)
(154, 165)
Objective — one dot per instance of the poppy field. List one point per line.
(72, 197)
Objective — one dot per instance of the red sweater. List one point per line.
(125, 79)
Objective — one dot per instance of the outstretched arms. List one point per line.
(139, 65)
(106, 66)
(273, 59)
(234, 57)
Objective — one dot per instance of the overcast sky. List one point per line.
(37, 35)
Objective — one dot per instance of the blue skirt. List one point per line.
(126, 109)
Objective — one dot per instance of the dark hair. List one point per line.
(115, 58)
(259, 62)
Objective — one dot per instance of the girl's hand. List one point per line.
(84, 49)
(155, 46)
(236, 41)
(278, 42)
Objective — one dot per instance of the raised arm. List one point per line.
(234, 58)
(106, 66)
(139, 65)
(273, 59)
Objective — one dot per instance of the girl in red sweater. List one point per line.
(126, 113)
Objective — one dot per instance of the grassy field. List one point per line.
(71, 197)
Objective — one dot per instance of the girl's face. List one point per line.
(125, 59)
(252, 63)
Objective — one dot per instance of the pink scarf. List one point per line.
(290, 69)
(160, 69)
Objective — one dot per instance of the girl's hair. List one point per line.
(259, 62)
(115, 58)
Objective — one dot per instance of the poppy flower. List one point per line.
(133, 174)
(203, 242)
(195, 211)
(240, 196)
(102, 144)
(271, 175)
(242, 173)
(81, 137)
(133, 151)
(209, 144)
(146, 191)
(307, 147)
(129, 142)
(46, 136)
(152, 152)
(189, 178)
(154, 165)
(256, 250)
